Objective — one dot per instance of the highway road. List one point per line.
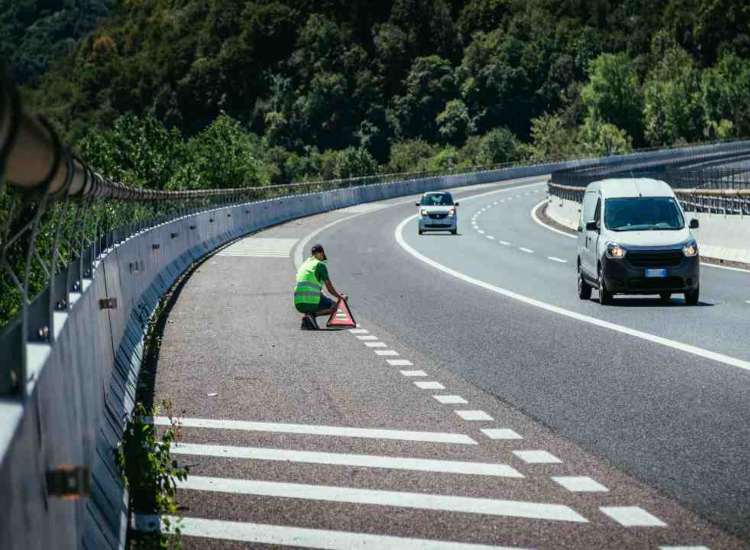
(631, 417)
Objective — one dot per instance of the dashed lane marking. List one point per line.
(346, 459)
(501, 433)
(527, 250)
(413, 373)
(431, 385)
(358, 331)
(423, 501)
(474, 415)
(386, 352)
(504, 243)
(312, 429)
(400, 362)
(480, 231)
(282, 535)
(556, 259)
(450, 399)
(376, 344)
(366, 337)
(490, 237)
(660, 340)
(632, 516)
(537, 457)
(580, 484)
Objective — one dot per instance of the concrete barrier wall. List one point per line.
(720, 236)
(85, 386)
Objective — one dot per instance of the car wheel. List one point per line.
(454, 231)
(584, 289)
(605, 296)
(691, 297)
(665, 297)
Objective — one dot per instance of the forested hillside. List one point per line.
(172, 93)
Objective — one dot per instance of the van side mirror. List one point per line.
(455, 204)
(416, 203)
(592, 226)
(694, 224)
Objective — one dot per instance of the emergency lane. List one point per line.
(676, 420)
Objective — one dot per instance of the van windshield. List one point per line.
(437, 199)
(643, 214)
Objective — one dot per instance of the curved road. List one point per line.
(660, 391)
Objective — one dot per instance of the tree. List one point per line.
(725, 96)
(552, 140)
(454, 123)
(497, 146)
(603, 139)
(410, 156)
(613, 94)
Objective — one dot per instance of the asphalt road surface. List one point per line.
(479, 403)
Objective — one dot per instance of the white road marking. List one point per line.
(537, 457)
(423, 501)
(386, 352)
(706, 264)
(747, 301)
(481, 232)
(473, 415)
(414, 373)
(450, 399)
(346, 459)
(556, 259)
(367, 337)
(632, 516)
(504, 243)
(376, 344)
(527, 250)
(399, 362)
(490, 237)
(429, 385)
(548, 227)
(684, 548)
(259, 247)
(282, 535)
(501, 433)
(312, 429)
(358, 331)
(680, 346)
(580, 484)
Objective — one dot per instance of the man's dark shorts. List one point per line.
(325, 303)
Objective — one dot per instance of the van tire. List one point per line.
(584, 289)
(665, 297)
(692, 296)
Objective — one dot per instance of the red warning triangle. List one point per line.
(342, 317)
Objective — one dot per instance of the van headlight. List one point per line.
(452, 212)
(423, 212)
(690, 249)
(615, 251)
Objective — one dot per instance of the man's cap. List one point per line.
(317, 248)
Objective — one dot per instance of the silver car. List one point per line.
(438, 212)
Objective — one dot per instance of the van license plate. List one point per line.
(656, 273)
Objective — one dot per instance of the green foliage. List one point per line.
(598, 139)
(551, 140)
(454, 123)
(497, 146)
(725, 97)
(151, 474)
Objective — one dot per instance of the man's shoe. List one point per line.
(308, 323)
(314, 322)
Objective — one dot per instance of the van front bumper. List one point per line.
(621, 276)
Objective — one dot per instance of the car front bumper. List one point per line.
(438, 224)
(621, 276)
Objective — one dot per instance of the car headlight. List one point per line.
(615, 251)
(690, 249)
(423, 212)
(452, 212)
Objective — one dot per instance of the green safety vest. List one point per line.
(308, 287)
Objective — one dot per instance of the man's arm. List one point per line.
(332, 290)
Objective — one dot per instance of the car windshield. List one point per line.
(643, 214)
(437, 199)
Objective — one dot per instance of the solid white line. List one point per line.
(375, 344)
(282, 535)
(423, 501)
(580, 484)
(537, 457)
(729, 268)
(429, 385)
(500, 433)
(367, 337)
(311, 429)
(556, 259)
(684, 548)
(400, 362)
(680, 346)
(345, 459)
(540, 222)
(527, 250)
(450, 399)
(473, 415)
(632, 516)
(413, 373)
(386, 352)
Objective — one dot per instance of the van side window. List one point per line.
(598, 211)
(589, 204)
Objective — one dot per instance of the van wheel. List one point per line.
(419, 231)
(605, 296)
(584, 289)
(691, 297)
(665, 297)
(454, 231)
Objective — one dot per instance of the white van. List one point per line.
(633, 239)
